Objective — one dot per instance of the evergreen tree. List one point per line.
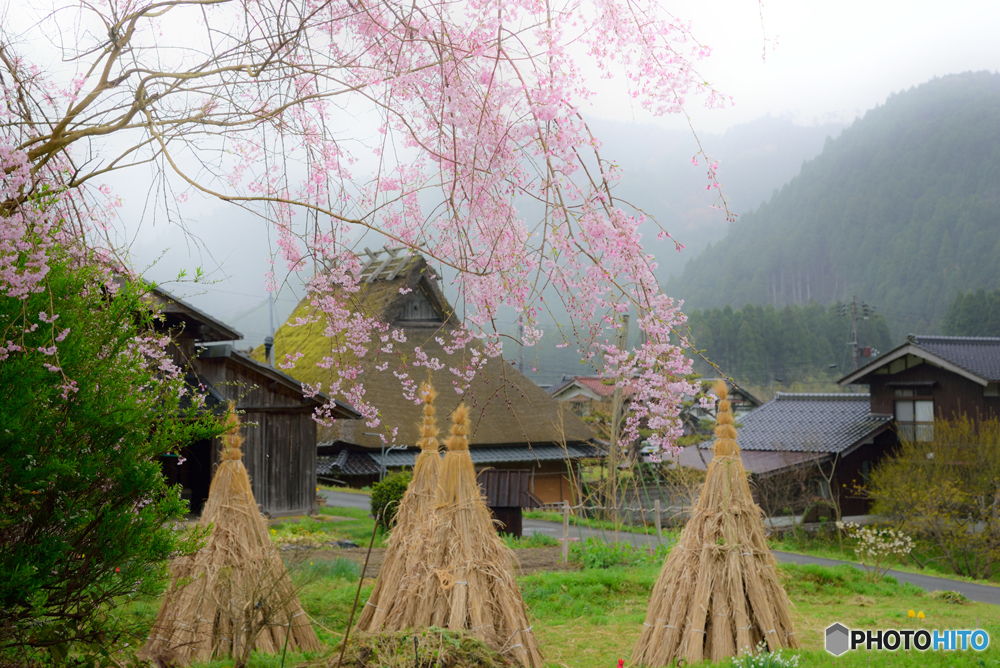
(758, 344)
(902, 207)
(973, 314)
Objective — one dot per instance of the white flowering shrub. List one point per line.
(877, 549)
(764, 659)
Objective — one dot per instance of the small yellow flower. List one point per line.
(310, 563)
(920, 615)
(911, 614)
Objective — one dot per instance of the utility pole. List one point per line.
(520, 343)
(854, 332)
(616, 418)
(855, 309)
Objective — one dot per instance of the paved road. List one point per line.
(346, 499)
(973, 592)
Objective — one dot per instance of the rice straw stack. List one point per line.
(390, 608)
(235, 589)
(718, 593)
(470, 584)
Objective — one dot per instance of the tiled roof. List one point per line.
(977, 355)
(760, 462)
(597, 384)
(499, 455)
(346, 462)
(352, 462)
(827, 423)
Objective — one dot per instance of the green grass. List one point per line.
(592, 618)
(366, 490)
(534, 540)
(828, 548)
(608, 526)
(357, 528)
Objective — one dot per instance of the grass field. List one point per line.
(829, 548)
(591, 618)
(607, 526)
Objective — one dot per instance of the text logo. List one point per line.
(840, 639)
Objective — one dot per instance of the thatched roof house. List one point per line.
(515, 424)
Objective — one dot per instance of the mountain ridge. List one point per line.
(900, 209)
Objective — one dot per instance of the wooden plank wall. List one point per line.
(279, 449)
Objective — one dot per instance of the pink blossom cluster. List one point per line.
(478, 107)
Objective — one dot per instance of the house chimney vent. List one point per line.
(269, 350)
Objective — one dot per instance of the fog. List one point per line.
(826, 64)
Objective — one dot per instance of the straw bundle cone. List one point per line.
(392, 605)
(235, 591)
(470, 582)
(718, 594)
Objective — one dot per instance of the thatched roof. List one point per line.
(506, 407)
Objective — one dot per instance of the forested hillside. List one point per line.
(973, 314)
(901, 210)
(794, 344)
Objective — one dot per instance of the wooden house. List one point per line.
(507, 493)
(584, 394)
(818, 434)
(924, 379)
(515, 424)
(931, 378)
(280, 447)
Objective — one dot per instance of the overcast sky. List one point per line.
(833, 61)
(830, 61)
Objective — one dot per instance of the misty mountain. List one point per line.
(659, 178)
(755, 159)
(900, 210)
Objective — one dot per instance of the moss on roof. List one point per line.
(506, 407)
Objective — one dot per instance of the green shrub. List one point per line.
(86, 517)
(386, 496)
(951, 597)
(534, 540)
(595, 553)
(943, 492)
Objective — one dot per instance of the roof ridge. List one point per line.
(821, 395)
(917, 338)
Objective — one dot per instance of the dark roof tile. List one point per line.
(977, 355)
(760, 462)
(346, 463)
(809, 423)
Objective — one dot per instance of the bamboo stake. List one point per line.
(357, 594)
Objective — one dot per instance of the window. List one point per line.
(418, 308)
(914, 416)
